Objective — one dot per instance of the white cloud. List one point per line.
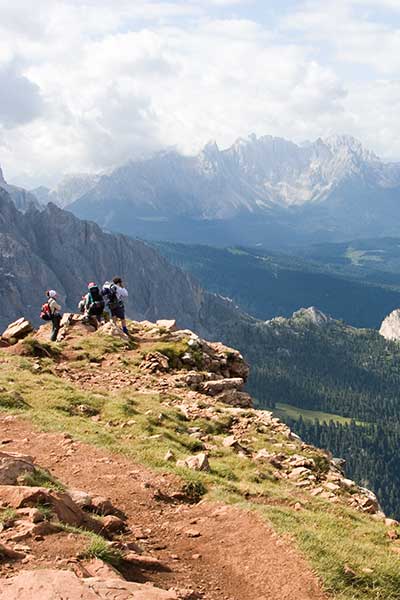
(106, 81)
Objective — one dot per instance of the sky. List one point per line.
(88, 85)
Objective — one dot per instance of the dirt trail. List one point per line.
(219, 551)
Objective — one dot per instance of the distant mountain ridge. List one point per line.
(50, 248)
(21, 197)
(258, 190)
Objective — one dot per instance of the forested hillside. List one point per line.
(267, 285)
(352, 375)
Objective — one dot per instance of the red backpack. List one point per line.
(45, 313)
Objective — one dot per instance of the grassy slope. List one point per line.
(333, 537)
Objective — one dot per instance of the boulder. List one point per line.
(168, 324)
(9, 553)
(213, 388)
(390, 328)
(103, 506)
(155, 361)
(13, 465)
(145, 562)
(82, 499)
(61, 504)
(235, 398)
(66, 319)
(18, 329)
(53, 584)
(99, 568)
(113, 524)
(234, 361)
(112, 329)
(199, 462)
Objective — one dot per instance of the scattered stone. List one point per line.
(17, 330)
(82, 499)
(391, 522)
(13, 465)
(145, 562)
(193, 533)
(213, 388)
(155, 361)
(199, 462)
(169, 456)
(8, 553)
(103, 506)
(298, 473)
(113, 524)
(168, 324)
(99, 568)
(61, 504)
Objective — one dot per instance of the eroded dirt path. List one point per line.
(219, 551)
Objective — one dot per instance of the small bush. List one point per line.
(8, 516)
(173, 351)
(100, 548)
(12, 400)
(41, 478)
(194, 490)
(32, 347)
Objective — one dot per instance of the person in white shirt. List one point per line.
(118, 309)
(55, 313)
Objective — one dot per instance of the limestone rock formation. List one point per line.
(17, 330)
(390, 328)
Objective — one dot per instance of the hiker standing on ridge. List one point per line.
(54, 313)
(115, 293)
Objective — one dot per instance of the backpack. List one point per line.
(45, 313)
(97, 303)
(109, 292)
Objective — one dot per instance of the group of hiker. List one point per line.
(92, 305)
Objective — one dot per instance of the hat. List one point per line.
(52, 293)
(91, 284)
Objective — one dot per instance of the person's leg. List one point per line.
(123, 320)
(56, 319)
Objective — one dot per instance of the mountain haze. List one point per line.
(260, 190)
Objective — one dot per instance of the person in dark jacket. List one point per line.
(92, 304)
(115, 293)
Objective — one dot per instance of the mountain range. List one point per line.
(265, 190)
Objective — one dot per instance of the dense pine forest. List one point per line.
(269, 284)
(351, 374)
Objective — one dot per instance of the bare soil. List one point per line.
(219, 551)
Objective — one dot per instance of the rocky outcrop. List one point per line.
(390, 328)
(312, 315)
(52, 584)
(17, 330)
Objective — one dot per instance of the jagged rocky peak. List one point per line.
(312, 315)
(390, 328)
(22, 199)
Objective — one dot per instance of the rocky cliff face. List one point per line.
(21, 197)
(390, 328)
(51, 248)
